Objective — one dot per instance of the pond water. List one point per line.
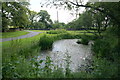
(67, 50)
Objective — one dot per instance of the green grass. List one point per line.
(24, 41)
(18, 59)
(62, 31)
(16, 55)
(47, 40)
(13, 34)
(57, 31)
(39, 30)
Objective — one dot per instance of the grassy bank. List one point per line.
(19, 56)
(13, 34)
(16, 55)
(19, 59)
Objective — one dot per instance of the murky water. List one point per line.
(67, 49)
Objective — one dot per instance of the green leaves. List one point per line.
(14, 14)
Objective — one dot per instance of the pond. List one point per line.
(68, 51)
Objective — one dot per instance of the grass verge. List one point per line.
(13, 34)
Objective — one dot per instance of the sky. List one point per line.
(63, 15)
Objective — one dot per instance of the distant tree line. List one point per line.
(97, 16)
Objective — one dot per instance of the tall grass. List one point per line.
(19, 59)
(57, 31)
(16, 59)
(46, 41)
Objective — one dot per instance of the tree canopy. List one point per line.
(14, 14)
(44, 17)
(40, 20)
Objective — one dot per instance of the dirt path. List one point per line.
(31, 34)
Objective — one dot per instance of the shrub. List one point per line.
(79, 41)
(66, 36)
(101, 47)
(84, 40)
(46, 42)
(104, 68)
(57, 31)
(107, 46)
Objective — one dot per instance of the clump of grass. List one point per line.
(84, 40)
(57, 31)
(46, 42)
(66, 36)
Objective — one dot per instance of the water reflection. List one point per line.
(79, 54)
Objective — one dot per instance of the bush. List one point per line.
(57, 31)
(104, 68)
(108, 46)
(84, 40)
(46, 42)
(66, 36)
(101, 48)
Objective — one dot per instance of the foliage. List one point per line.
(38, 25)
(33, 16)
(90, 21)
(44, 17)
(86, 38)
(58, 25)
(103, 68)
(19, 60)
(14, 14)
(101, 47)
(14, 55)
(66, 36)
(83, 41)
(108, 46)
(46, 42)
(40, 20)
(101, 16)
(57, 31)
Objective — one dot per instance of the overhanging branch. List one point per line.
(98, 9)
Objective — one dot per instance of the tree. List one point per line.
(14, 14)
(39, 25)
(112, 10)
(44, 17)
(40, 20)
(32, 18)
(57, 25)
(86, 20)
